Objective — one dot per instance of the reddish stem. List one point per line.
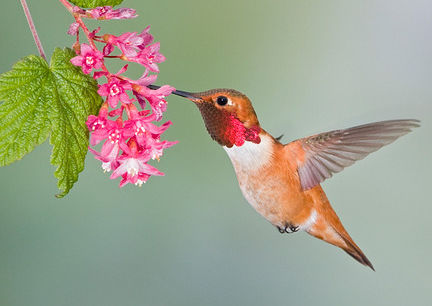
(78, 17)
(86, 31)
(33, 29)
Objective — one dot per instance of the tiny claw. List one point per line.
(290, 228)
(293, 228)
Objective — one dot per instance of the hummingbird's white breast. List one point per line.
(251, 156)
(249, 161)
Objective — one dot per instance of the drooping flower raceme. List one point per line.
(125, 128)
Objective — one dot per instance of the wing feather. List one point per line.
(331, 152)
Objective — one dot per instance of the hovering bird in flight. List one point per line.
(282, 181)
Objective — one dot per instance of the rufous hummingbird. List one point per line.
(282, 181)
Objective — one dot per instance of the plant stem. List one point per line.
(86, 31)
(33, 28)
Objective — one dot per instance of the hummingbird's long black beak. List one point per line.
(184, 94)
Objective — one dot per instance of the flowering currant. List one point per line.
(126, 133)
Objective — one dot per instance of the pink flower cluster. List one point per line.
(125, 130)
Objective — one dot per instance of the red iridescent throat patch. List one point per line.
(226, 128)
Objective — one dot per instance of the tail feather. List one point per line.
(355, 252)
(329, 228)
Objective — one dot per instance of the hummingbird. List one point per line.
(282, 181)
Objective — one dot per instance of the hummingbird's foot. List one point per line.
(280, 229)
(289, 229)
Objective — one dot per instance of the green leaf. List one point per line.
(75, 98)
(41, 99)
(24, 115)
(95, 3)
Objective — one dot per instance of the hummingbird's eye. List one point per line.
(222, 100)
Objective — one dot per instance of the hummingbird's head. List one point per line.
(228, 115)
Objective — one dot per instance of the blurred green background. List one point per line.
(190, 238)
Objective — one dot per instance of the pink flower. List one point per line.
(156, 147)
(149, 57)
(107, 12)
(128, 43)
(99, 12)
(88, 59)
(146, 79)
(156, 99)
(146, 37)
(115, 90)
(115, 137)
(123, 13)
(108, 163)
(133, 166)
(108, 49)
(73, 29)
(96, 124)
(143, 128)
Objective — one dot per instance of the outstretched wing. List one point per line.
(321, 155)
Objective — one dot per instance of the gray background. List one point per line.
(190, 238)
